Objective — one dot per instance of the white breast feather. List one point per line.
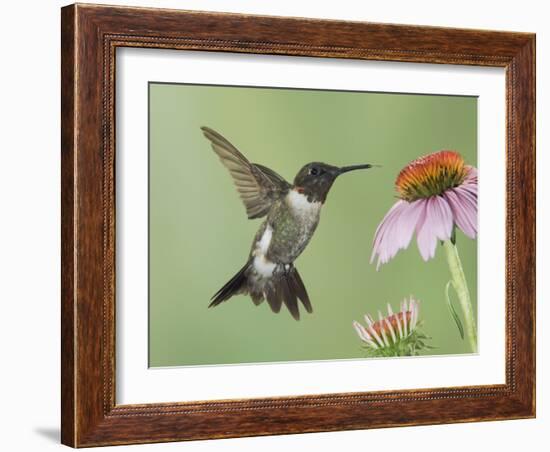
(301, 205)
(262, 265)
(263, 243)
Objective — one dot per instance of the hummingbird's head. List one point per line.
(316, 178)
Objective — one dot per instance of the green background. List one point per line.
(200, 235)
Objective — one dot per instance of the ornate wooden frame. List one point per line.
(90, 35)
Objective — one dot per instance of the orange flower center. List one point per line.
(431, 175)
(393, 319)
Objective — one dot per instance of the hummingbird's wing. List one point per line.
(258, 186)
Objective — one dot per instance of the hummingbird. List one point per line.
(291, 214)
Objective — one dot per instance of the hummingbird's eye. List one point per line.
(313, 171)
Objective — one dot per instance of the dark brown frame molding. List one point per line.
(90, 34)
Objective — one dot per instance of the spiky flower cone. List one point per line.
(394, 334)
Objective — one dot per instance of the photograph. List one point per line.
(294, 224)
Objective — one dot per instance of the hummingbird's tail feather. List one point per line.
(234, 286)
(272, 294)
(300, 290)
(289, 297)
(283, 286)
(286, 287)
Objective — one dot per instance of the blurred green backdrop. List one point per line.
(200, 236)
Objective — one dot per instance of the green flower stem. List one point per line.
(461, 288)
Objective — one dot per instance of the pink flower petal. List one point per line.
(464, 207)
(437, 223)
(361, 331)
(466, 193)
(471, 190)
(382, 227)
(425, 239)
(443, 216)
(471, 177)
(395, 231)
(470, 183)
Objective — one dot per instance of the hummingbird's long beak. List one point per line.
(346, 169)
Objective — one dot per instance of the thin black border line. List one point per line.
(148, 225)
(294, 88)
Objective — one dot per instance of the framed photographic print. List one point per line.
(281, 225)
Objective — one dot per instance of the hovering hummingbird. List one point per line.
(292, 212)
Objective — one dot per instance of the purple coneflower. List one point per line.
(438, 192)
(395, 334)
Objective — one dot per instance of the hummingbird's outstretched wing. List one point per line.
(258, 186)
